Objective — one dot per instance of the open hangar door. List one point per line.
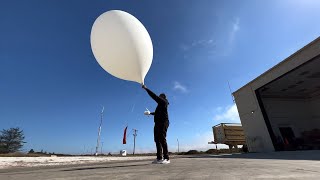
(291, 107)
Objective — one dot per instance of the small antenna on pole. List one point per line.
(134, 140)
(178, 144)
(99, 132)
(231, 93)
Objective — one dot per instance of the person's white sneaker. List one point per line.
(156, 161)
(165, 161)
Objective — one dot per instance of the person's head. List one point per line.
(162, 95)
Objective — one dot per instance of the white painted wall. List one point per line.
(294, 113)
(256, 132)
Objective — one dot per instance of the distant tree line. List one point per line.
(32, 151)
(11, 140)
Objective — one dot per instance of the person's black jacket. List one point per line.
(161, 113)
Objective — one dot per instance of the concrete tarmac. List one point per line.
(304, 165)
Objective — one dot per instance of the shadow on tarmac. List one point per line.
(283, 155)
(104, 167)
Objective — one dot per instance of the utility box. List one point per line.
(231, 134)
(123, 153)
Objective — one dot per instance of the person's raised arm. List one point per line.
(153, 95)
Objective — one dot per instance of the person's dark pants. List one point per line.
(160, 138)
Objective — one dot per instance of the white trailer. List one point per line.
(231, 134)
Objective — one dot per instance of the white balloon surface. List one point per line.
(122, 45)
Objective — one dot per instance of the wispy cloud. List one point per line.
(235, 29)
(195, 44)
(133, 107)
(179, 87)
(184, 47)
(198, 47)
(227, 114)
(186, 123)
(202, 43)
(221, 45)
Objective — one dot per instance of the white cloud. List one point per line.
(228, 114)
(234, 30)
(236, 25)
(187, 123)
(199, 143)
(179, 87)
(218, 109)
(184, 47)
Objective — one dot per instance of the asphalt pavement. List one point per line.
(302, 165)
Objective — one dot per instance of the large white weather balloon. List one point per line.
(122, 45)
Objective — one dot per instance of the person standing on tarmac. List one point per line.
(161, 124)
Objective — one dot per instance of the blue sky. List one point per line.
(53, 88)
